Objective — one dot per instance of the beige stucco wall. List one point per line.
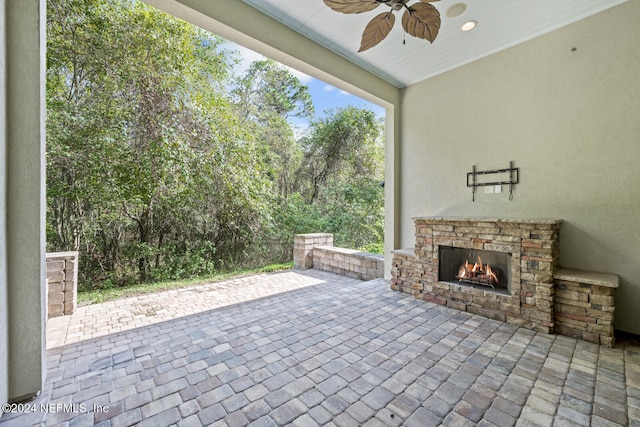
(570, 121)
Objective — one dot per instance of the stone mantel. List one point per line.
(545, 221)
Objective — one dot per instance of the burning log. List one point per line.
(491, 275)
(462, 272)
(478, 273)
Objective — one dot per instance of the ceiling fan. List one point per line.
(420, 20)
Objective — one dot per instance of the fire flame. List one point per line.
(478, 271)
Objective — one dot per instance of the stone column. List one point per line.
(303, 248)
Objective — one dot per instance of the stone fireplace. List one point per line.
(525, 251)
(533, 291)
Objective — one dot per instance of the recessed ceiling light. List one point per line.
(469, 25)
(456, 9)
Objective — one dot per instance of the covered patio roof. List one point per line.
(404, 60)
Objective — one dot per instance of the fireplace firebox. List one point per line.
(483, 269)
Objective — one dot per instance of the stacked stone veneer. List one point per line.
(584, 305)
(405, 272)
(62, 283)
(303, 245)
(542, 297)
(317, 251)
(533, 245)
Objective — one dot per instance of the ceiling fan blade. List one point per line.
(352, 6)
(376, 30)
(422, 20)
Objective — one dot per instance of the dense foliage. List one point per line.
(161, 163)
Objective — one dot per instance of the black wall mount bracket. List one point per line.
(473, 179)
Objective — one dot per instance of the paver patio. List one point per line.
(312, 348)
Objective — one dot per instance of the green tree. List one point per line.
(267, 89)
(344, 146)
(339, 181)
(162, 164)
(267, 96)
(139, 126)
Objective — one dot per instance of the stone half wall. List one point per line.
(584, 305)
(62, 283)
(317, 251)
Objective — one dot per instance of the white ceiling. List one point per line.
(501, 24)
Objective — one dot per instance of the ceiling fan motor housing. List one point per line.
(395, 4)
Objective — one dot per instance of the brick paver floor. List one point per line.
(311, 348)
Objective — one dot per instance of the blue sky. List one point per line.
(324, 95)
